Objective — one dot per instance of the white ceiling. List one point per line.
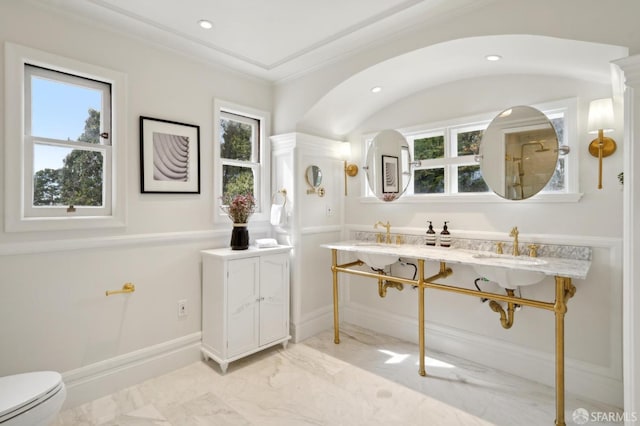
(280, 39)
(271, 39)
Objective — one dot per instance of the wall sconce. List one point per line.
(601, 121)
(349, 170)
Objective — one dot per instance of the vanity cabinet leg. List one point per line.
(422, 370)
(560, 309)
(223, 367)
(336, 320)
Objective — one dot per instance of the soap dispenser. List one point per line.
(431, 235)
(445, 236)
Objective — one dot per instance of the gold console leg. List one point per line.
(560, 309)
(336, 320)
(422, 370)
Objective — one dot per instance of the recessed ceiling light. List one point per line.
(207, 25)
(376, 89)
(493, 57)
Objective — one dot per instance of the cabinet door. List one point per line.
(274, 297)
(243, 283)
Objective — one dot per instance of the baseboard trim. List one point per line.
(93, 381)
(583, 379)
(312, 324)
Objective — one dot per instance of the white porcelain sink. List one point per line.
(506, 277)
(375, 259)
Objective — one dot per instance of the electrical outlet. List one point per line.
(182, 308)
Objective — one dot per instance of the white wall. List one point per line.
(53, 309)
(314, 220)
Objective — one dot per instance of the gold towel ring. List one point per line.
(283, 192)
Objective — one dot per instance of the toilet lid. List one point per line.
(21, 389)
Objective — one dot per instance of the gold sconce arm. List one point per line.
(601, 147)
(601, 120)
(349, 170)
(127, 288)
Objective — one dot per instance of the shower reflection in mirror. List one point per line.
(519, 153)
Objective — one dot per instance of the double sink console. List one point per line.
(508, 270)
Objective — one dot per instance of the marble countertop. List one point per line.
(554, 266)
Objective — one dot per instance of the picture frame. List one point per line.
(169, 156)
(390, 174)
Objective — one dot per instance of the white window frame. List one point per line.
(31, 140)
(18, 155)
(260, 165)
(449, 128)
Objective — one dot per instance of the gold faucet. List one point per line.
(514, 233)
(387, 226)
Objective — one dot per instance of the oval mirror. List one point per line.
(388, 165)
(314, 176)
(518, 153)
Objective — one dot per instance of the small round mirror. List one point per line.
(518, 153)
(314, 176)
(388, 165)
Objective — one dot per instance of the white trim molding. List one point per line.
(220, 236)
(629, 75)
(102, 378)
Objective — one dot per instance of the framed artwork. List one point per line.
(169, 156)
(390, 174)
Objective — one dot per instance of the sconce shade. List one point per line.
(345, 150)
(600, 115)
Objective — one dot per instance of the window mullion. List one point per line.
(448, 172)
(238, 163)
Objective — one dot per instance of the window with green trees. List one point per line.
(239, 154)
(445, 161)
(68, 133)
(79, 181)
(429, 180)
(469, 177)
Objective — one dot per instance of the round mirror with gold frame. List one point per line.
(313, 176)
(518, 153)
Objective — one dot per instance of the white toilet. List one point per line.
(31, 399)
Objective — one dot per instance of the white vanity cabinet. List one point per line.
(245, 302)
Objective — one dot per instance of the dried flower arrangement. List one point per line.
(238, 207)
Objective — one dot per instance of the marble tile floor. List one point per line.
(368, 379)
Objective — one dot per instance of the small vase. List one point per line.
(239, 237)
